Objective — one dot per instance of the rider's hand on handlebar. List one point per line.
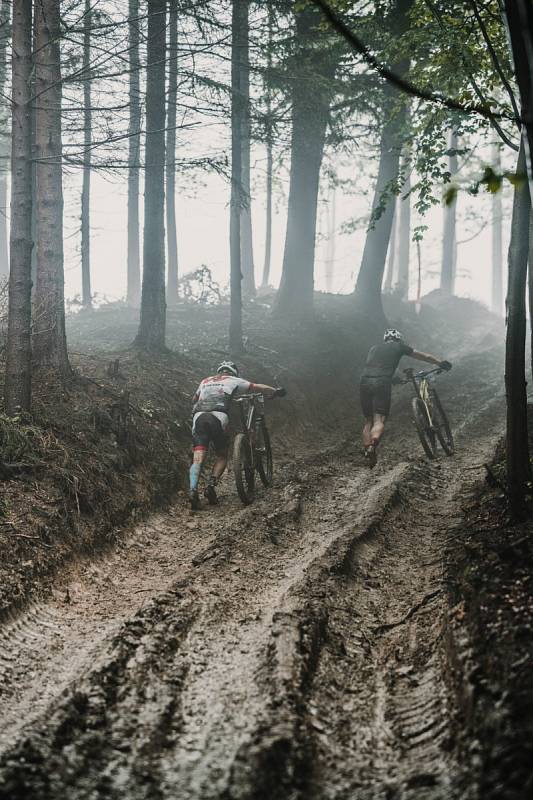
(280, 392)
(445, 365)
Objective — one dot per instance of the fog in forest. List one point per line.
(266, 438)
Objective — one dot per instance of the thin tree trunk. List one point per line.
(530, 288)
(170, 195)
(133, 291)
(370, 277)
(5, 6)
(247, 249)
(497, 259)
(517, 454)
(18, 366)
(367, 293)
(269, 153)
(449, 239)
(310, 115)
(404, 230)
(86, 298)
(49, 341)
(151, 334)
(332, 233)
(518, 15)
(239, 21)
(391, 257)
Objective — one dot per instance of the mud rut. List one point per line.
(293, 649)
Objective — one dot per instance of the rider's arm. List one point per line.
(426, 357)
(268, 391)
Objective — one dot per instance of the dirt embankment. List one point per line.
(491, 633)
(114, 442)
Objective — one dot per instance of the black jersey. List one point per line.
(383, 359)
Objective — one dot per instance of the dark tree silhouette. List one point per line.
(312, 75)
(239, 22)
(151, 334)
(133, 291)
(49, 340)
(18, 366)
(170, 194)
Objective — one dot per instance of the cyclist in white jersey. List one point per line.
(211, 420)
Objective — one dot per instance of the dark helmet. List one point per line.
(392, 335)
(229, 367)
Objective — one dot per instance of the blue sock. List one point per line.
(194, 476)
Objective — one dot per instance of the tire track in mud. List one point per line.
(248, 677)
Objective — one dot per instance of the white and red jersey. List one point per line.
(215, 394)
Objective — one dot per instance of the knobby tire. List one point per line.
(441, 424)
(423, 427)
(243, 469)
(264, 454)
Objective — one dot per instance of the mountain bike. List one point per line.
(252, 452)
(430, 420)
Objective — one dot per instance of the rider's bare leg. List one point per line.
(199, 456)
(367, 436)
(378, 426)
(218, 468)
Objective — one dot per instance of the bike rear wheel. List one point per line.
(423, 426)
(263, 453)
(243, 469)
(441, 424)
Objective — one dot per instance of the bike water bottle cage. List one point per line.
(229, 367)
(392, 335)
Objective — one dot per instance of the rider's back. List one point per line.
(383, 359)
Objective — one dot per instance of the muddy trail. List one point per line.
(296, 648)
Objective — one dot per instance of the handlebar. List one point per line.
(253, 396)
(410, 373)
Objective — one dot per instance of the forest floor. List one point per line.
(329, 641)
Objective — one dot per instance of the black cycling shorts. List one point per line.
(375, 396)
(208, 428)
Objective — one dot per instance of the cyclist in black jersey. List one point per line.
(376, 385)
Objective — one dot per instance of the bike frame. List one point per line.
(251, 410)
(422, 386)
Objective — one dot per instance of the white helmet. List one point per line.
(229, 367)
(392, 335)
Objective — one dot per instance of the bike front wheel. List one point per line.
(441, 424)
(263, 452)
(423, 426)
(243, 469)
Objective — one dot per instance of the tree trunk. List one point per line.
(391, 257)
(367, 293)
(239, 21)
(332, 233)
(404, 230)
(311, 94)
(172, 239)
(133, 291)
(49, 341)
(5, 6)
(517, 455)
(247, 250)
(530, 288)
(151, 334)
(86, 298)
(449, 239)
(18, 366)
(269, 153)
(519, 18)
(370, 277)
(497, 260)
